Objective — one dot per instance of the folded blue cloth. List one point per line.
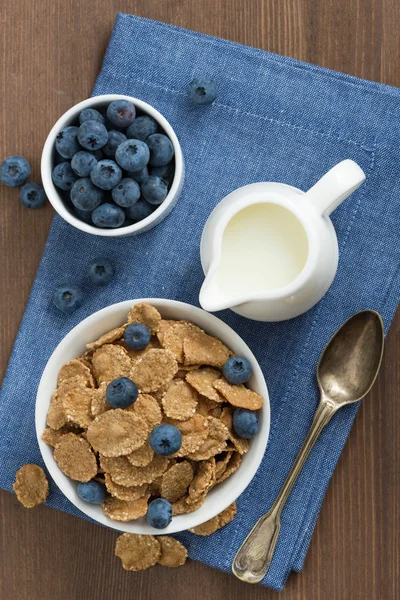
(275, 119)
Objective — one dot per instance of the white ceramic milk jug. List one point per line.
(269, 250)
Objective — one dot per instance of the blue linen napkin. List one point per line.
(275, 119)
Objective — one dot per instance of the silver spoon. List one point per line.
(346, 372)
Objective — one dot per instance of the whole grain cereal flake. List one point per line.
(142, 456)
(239, 395)
(75, 457)
(175, 335)
(108, 338)
(180, 401)
(99, 401)
(148, 409)
(217, 522)
(182, 507)
(110, 362)
(77, 405)
(125, 510)
(137, 552)
(240, 444)
(173, 553)
(202, 481)
(31, 486)
(154, 370)
(202, 349)
(215, 442)
(202, 380)
(75, 368)
(123, 492)
(176, 480)
(146, 314)
(194, 431)
(123, 473)
(117, 432)
(56, 417)
(231, 467)
(53, 436)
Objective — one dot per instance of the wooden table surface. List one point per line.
(51, 52)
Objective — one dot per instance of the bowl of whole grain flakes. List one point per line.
(141, 420)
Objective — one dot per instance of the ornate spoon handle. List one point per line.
(255, 554)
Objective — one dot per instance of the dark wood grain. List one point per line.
(50, 55)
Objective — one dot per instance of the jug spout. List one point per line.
(212, 296)
(335, 186)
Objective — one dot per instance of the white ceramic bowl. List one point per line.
(92, 328)
(53, 194)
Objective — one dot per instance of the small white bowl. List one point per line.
(92, 328)
(47, 165)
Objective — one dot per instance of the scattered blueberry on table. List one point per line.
(32, 195)
(67, 298)
(237, 369)
(165, 440)
(93, 492)
(101, 271)
(202, 90)
(14, 171)
(159, 513)
(137, 336)
(121, 392)
(120, 150)
(245, 423)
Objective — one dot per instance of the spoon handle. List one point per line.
(255, 554)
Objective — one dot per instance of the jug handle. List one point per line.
(335, 186)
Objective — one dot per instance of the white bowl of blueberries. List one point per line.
(112, 165)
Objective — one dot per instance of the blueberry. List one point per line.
(14, 171)
(237, 369)
(67, 143)
(106, 174)
(108, 216)
(165, 440)
(140, 210)
(64, 176)
(137, 336)
(32, 195)
(92, 135)
(159, 513)
(67, 298)
(141, 128)
(85, 195)
(126, 193)
(83, 162)
(245, 422)
(132, 155)
(121, 113)
(84, 215)
(115, 138)
(90, 114)
(92, 491)
(166, 172)
(161, 149)
(154, 189)
(140, 175)
(202, 90)
(101, 271)
(121, 392)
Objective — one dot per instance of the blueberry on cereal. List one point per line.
(121, 392)
(137, 336)
(101, 271)
(165, 440)
(93, 492)
(159, 513)
(237, 369)
(245, 423)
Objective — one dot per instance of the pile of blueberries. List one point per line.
(115, 168)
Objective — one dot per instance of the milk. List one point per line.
(264, 247)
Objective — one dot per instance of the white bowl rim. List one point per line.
(54, 196)
(232, 487)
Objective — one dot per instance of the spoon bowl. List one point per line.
(350, 362)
